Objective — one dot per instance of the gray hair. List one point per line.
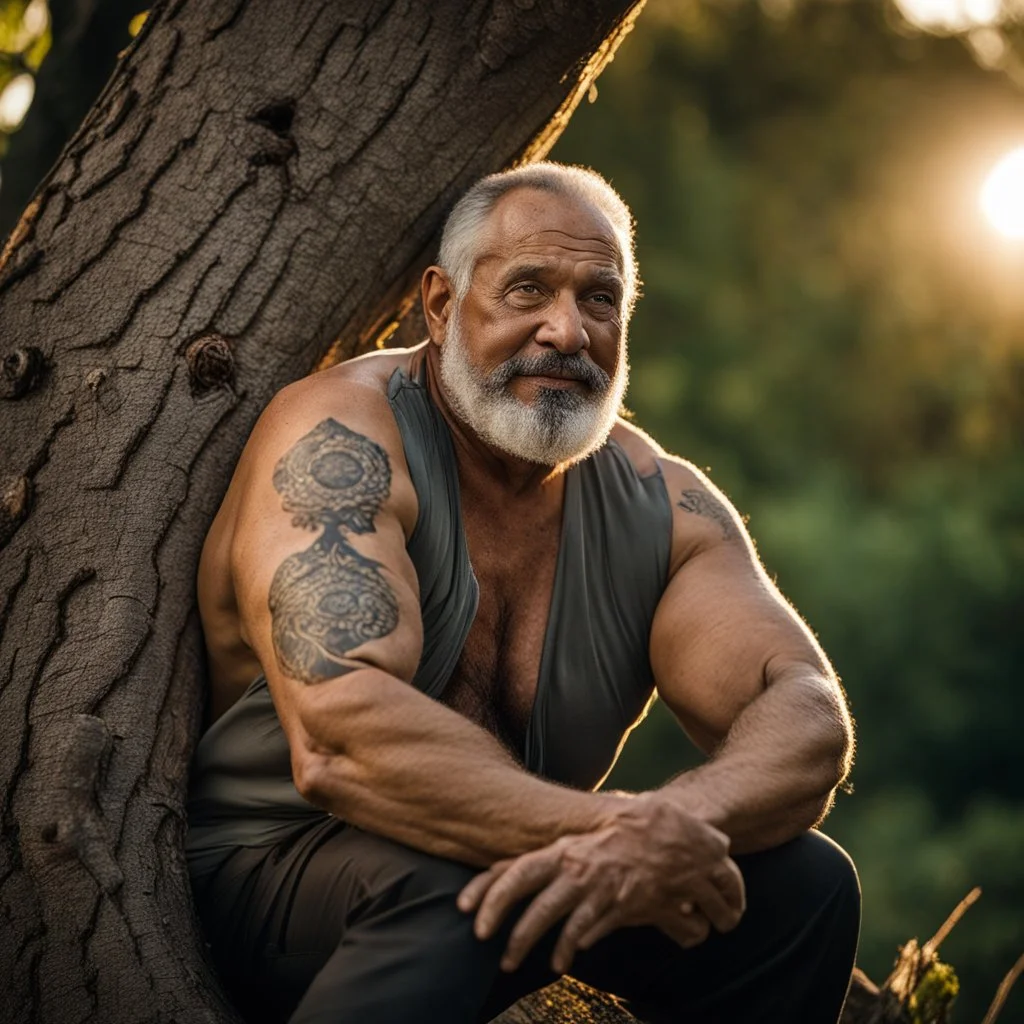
(459, 242)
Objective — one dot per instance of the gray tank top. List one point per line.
(595, 677)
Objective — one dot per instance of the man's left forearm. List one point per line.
(775, 773)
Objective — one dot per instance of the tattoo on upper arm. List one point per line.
(704, 503)
(327, 600)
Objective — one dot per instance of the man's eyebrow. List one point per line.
(524, 270)
(605, 277)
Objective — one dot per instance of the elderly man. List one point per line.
(442, 587)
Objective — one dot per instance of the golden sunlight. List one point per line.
(1002, 195)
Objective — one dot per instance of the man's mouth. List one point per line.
(553, 379)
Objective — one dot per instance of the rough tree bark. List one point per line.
(252, 194)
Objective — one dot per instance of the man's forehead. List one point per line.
(534, 225)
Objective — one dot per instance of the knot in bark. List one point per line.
(76, 827)
(211, 363)
(15, 503)
(513, 26)
(280, 145)
(21, 371)
(94, 379)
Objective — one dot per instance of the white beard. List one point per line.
(561, 426)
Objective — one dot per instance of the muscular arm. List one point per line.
(329, 601)
(748, 682)
(395, 762)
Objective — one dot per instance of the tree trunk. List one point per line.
(253, 194)
(87, 35)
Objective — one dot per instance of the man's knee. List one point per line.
(809, 878)
(831, 868)
(823, 882)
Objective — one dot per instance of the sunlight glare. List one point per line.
(983, 12)
(15, 101)
(1002, 195)
(35, 19)
(950, 15)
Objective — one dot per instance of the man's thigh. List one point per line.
(331, 912)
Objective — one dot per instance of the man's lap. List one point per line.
(734, 977)
(276, 916)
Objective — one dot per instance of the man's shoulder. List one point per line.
(639, 447)
(702, 516)
(353, 395)
(335, 421)
(349, 388)
(648, 457)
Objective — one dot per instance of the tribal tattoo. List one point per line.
(329, 599)
(703, 503)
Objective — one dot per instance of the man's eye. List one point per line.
(604, 298)
(530, 289)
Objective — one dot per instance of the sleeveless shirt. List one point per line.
(595, 680)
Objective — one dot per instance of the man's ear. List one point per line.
(437, 293)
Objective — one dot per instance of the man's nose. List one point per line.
(563, 328)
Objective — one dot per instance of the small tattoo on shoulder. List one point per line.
(329, 599)
(704, 503)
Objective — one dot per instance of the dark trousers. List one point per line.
(340, 926)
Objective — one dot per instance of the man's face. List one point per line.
(533, 358)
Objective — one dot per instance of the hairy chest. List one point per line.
(495, 679)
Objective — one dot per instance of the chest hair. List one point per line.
(495, 680)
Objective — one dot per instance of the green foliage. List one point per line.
(24, 36)
(829, 327)
(24, 42)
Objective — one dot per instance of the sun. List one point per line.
(1002, 195)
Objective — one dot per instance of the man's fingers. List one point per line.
(525, 875)
(582, 921)
(723, 915)
(473, 893)
(605, 925)
(687, 930)
(729, 882)
(549, 907)
(727, 877)
(596, 926)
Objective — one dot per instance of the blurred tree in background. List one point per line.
(81, 40)
(832, 330)
(24, 42)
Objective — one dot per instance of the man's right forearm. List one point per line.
(374, 751)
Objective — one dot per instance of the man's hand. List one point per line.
(656, 865)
